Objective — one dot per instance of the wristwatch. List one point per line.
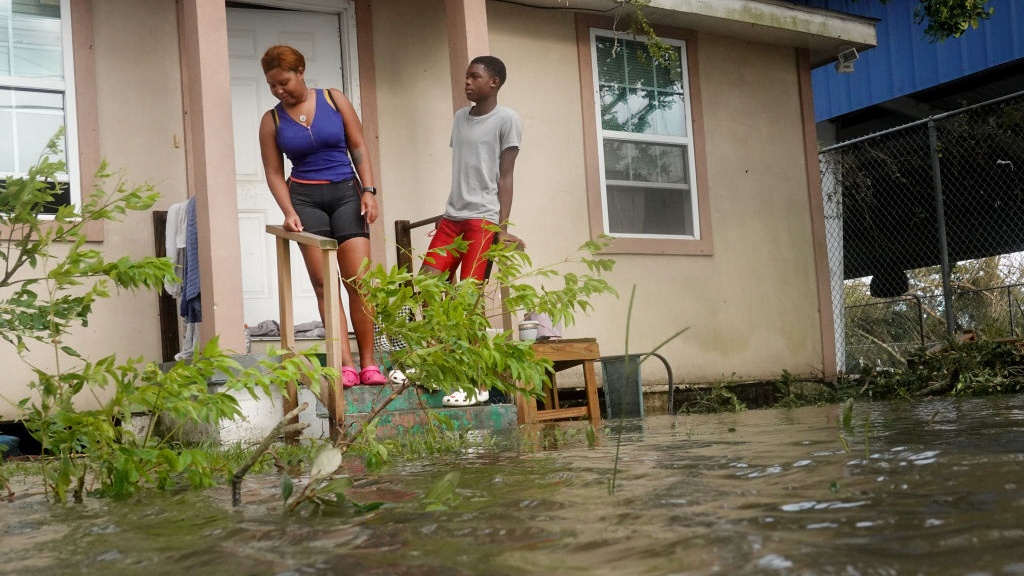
(370, 189)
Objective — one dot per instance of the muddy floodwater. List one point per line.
(925, 487)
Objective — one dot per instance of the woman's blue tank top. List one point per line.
(319, 152)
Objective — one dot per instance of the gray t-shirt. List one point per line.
(477, 143)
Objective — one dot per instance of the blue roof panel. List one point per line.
(905, 61)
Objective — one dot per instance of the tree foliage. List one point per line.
(445, 340)
(450, 343)
(49, 281)
(946, 19)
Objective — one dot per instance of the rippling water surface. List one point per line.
(930, 487)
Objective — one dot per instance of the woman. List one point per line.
(327, 193)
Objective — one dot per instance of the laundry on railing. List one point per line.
(271, 328)
(181, 243)
(174, 246)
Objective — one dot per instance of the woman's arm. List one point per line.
(358, 150)
(273, 167)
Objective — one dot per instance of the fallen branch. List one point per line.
(282, 427)
(355, 428)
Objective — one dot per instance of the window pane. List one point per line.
(639, 65)
(611, 68)
(614, 108)
(640, 210)
(7, 163)
(27, 122)
(35, 41)
(5, 38)
(644, 162)
(617, 160)
(669, 118)
(637, 94)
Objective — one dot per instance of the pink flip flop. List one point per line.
(371, 376)
(349, 376)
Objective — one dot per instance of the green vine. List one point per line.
(640, 27)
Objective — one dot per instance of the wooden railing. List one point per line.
(333, 399)
(403, 239)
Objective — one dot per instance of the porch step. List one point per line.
(412, 411)
(409, 412)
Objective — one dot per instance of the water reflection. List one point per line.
(931, 487)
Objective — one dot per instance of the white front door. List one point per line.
(320, 37)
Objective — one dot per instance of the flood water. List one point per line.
(929, 487)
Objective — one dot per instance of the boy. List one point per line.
(485, 143)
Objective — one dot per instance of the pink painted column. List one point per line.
(206, 91)
(467, 39)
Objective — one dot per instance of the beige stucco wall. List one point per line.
(139, 95)
(754, 303)
(415, 111)
(751, 308)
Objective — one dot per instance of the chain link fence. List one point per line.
(925, 232)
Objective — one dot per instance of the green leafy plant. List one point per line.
(451, 344)
(52, 279)
(450, 341)
(950, 18)
(718, 398)
(794, 392)
(963, 368)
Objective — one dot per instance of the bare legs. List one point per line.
(350, 256)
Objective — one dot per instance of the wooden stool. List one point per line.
(564, 354)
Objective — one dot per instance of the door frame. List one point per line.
(346, 11)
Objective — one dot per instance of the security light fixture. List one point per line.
(847, 56)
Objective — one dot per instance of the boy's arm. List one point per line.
(506, 166)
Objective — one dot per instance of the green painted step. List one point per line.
(482, 417)
(409, 411)
(364, 398)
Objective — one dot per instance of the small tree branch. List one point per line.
(355, 428)
(282, 426)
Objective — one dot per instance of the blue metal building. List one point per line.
(908, 76)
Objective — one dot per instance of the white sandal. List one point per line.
(459, 398)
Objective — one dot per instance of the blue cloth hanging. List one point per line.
(191, 302)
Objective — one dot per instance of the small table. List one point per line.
(564, 354)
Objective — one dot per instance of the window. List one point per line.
(646, 150)
(36, 87)
(644, 146)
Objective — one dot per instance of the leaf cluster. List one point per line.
(950, 18)
(978, 368)
(448, 343)
(447, 327)
(50, 277)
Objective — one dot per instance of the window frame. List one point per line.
(81, 114)
(589, 28)
(65, 87)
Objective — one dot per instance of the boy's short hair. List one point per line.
(493, 65)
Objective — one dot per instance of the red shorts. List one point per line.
(474, 265)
